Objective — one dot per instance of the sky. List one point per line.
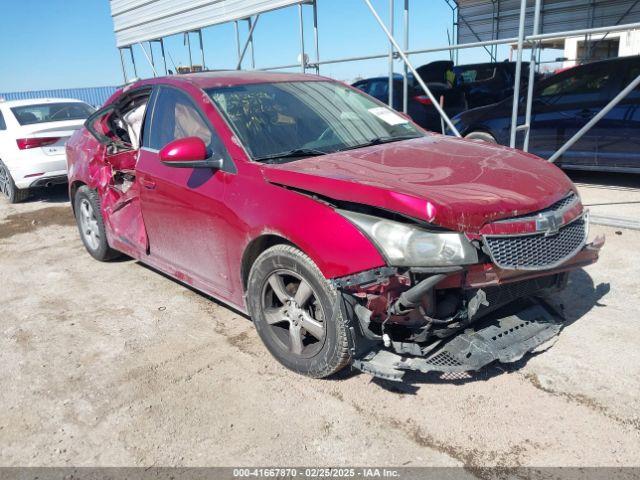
(50, 44)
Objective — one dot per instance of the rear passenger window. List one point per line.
(3, 126)
(580, 86)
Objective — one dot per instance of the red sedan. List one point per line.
(349, 234)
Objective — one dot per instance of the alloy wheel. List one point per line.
(292, 310)
(6, 186)
(89, 224)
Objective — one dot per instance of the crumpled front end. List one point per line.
(456, 318)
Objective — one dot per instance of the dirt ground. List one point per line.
(106, 364)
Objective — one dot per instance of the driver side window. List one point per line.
(174, 117)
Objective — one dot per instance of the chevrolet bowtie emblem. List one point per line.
(549, 223)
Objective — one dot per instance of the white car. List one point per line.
(33, 134)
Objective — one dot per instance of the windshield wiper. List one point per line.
(382, 140)
(296, 153)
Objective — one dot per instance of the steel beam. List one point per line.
(124, 70)
(201, 49)
(391, 29)
(607, 108)
(405, 82)
(315, 36)
(518, 72)
(303, 61)
(249, 40)
(532, 77)
(133, 62)
(417, 76)
(153, 68)
(164, 59)
(250, 22)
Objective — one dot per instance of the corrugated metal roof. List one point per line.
(476, 17)
(95, 96)
(141, 20)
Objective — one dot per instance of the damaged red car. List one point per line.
(347, 233)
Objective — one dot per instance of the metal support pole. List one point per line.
(617, 99)
(251, 23)
(405, 82)
(532, 77)
(201, 48)
(417, 76)
(246, 44)
(237, 39)
(188, 42)
(153, 63)
(391, 29)
(133, 62)
(315, 35)
(164, 59)
(124, 70)
(303, 63)
(144, 50)
(516, 85)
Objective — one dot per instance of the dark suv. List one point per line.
(564, 103)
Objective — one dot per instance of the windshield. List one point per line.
(312, 118)
(52, 112)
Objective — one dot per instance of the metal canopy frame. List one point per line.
(395, 51)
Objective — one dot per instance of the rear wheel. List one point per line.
(484, 136)
(8, 187)
(292, 304)
(90, 224)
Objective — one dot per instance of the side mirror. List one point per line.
(190, 152)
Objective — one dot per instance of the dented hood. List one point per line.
(456, 184)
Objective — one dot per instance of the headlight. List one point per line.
(408, 246)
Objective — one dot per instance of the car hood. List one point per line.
(453, 183)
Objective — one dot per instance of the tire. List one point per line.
(8, 187)
(299, 333)
(86, 206)
(484, 136)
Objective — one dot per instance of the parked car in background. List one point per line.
(32, 137)
(488, 83)
(562, 105)
(419, 105)
(336, 223)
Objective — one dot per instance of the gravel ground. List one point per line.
(115, 364)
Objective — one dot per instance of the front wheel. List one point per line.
(292, 305)
(484, 136)
(86, 205)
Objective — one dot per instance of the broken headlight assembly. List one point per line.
(405, 245)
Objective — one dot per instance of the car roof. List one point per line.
(36, 101)
(229, 78)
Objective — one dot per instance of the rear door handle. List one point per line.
(148, 184)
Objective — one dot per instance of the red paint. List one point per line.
(184, 149)
(196, 224)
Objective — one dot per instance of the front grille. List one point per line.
(537, 251)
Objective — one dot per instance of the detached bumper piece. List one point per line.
(505, 339)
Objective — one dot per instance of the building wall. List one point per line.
(629, 45)
(95, 96)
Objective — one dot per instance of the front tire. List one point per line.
(484, 136)
(8, 187)
(291, 304)
(86, 205)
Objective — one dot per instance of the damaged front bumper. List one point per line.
(441, 319)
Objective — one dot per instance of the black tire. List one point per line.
(318, 358)
(97, 244)
(8, 187)
(484, 136)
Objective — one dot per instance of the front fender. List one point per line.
(336, 246)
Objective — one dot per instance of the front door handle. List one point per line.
(148, 184)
